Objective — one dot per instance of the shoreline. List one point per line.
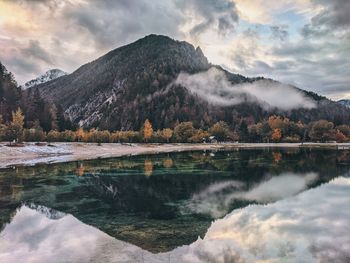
(32, 154)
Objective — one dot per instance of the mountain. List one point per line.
(46, 77)
(344, 102)
(119, 90)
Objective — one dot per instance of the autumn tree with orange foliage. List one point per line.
(277, 157)
(276, 135)
(167, 134)
(278, 122)
(80, 134)
(147, 130)
(14, 130)
(340, 137)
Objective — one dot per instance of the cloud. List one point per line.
(310, 227)
(244, 50)
(258, 12)
(213, 200)
(35, 51)
(244, 36)
(111, 23)
(279, 32)
(214, 87)
(220, 15)
(218, 199)
(331, 21)
(278, 187)
(100, 26)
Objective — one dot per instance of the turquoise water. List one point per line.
(160, 202)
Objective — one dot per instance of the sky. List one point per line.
(305, 43)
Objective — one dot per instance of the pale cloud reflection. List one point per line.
(217, 199)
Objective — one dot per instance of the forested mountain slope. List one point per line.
(119, 90)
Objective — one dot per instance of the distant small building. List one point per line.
(212, 139)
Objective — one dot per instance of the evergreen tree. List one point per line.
(243, 131)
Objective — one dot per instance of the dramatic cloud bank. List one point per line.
(301, 42)
(311, 227)
(214, 87)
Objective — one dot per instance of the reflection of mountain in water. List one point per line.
(312, 227)
(174, 201)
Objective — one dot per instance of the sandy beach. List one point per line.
(32, 154)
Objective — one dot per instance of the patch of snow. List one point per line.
(344, 102)
(47, 76)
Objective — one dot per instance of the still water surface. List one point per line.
(160, 202)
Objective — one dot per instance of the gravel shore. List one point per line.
(32, 154)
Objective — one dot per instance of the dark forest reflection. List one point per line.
(159, 202)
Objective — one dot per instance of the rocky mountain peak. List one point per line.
(47, 76)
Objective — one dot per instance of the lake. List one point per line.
(158, 203)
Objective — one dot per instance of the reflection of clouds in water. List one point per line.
(213, 200)
(33, 236)
(278, 187)
(217, 198)
(311, 227)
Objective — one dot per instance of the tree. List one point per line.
(321, 131)
(167, 134)
(2, 128)
(54, 136)
(34, 135)
(340, 137)
(14, 130)
(80, 134)
(68, 136)
(147, 130)
(184, 131)
(264, 131)
(276, 135)
(345, 129)
(277, 122)
(243, 131)
(220, 130)
(63, 122)
(199, 136)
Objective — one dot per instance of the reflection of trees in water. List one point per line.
(80, 169)
(168, 162)
(17, 192)
(148, 167)
(277, 157)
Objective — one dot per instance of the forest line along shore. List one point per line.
(32, 154)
